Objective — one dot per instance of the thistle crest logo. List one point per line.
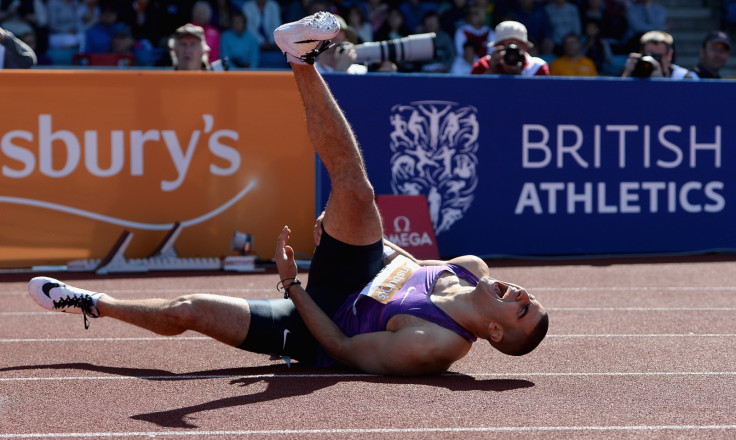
(434, 145)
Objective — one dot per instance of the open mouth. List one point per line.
(497, 290)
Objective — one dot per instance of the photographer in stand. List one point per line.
(654, 59)
(509, 54)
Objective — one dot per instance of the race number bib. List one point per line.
(390, 279)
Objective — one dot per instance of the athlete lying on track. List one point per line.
(399, 316)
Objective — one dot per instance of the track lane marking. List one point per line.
(205, 338)
(354, 431)
(362, 375)
(722, 289)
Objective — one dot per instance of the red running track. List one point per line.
(636, 349)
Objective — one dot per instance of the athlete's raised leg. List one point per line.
(351, 215)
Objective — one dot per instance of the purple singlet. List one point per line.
(368, 311)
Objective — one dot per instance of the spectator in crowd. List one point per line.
(511, 39)
(572, 62)
(393, 27)
(202, 17)
(713, 55)
(98, 38)
(463, 64)
(564, 18)
(531, 14)
(356, 20)
(597, 48)
(14, 54)
(264, 16)
(443, 43)
(188, 48)
(474, 31)
(453, 16)
(122, 41)
(65, 25)
(414, 11)
(644, 16)
(238, 44)
(655, 59)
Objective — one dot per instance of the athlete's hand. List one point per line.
(284, 256)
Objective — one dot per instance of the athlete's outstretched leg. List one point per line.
(225, 319)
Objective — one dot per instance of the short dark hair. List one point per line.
(512, 347)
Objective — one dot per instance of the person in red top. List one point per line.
(509, 54)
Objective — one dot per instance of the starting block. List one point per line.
(163, 258)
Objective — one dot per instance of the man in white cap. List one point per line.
(509, 54)
(188, 48)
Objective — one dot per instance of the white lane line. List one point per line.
(649, 335)
(641, 309)
(147, 339)
(717, 289)
(361, 375)
(205, 338)
(23, 292)
(357, 431)
(636, 288)
(554, 309)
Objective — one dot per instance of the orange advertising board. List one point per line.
(85, 155)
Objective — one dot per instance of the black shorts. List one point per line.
(337, 271)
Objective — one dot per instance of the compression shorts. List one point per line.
(337, 270)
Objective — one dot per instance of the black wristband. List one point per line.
(282, 286)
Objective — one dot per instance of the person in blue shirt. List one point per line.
(98, 38)
(239, 45)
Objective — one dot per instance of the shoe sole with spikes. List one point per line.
(306, 38)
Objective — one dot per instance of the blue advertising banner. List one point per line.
(552, 166)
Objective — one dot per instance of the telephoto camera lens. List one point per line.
(419, 47)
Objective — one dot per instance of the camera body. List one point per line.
(646, 65)
(419, 47)
(513, 55)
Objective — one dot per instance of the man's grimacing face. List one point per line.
(512, 306)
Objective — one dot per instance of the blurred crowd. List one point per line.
(576, 37)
